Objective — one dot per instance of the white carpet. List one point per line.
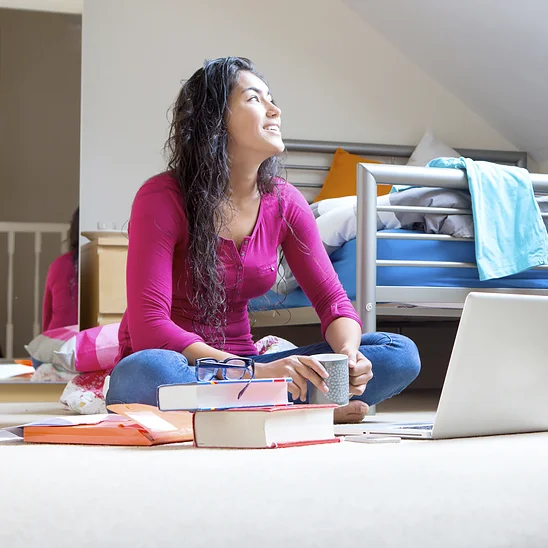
(482, 492)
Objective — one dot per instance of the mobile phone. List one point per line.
(372, 438)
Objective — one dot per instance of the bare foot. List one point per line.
(355, 411)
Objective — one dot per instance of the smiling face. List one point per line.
(253, 120)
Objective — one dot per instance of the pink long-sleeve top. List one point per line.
(159, 313)
(60, 304)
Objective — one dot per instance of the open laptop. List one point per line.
(497, 380)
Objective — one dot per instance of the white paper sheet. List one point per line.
(11, 370)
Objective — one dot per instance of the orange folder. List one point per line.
(133, 424)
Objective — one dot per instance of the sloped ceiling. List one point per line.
(491, 54)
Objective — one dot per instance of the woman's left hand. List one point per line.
(360, 372)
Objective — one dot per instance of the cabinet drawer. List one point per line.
(103, 282)
(112, 280)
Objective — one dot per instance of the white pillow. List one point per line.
(430, 148)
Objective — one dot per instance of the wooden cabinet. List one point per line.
(103, 281)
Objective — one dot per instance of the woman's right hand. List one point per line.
(300, 369)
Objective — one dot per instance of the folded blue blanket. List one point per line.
(510, 235)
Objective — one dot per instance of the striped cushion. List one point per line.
(93, 349)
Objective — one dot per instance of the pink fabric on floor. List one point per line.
(97, 348)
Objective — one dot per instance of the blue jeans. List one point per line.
(395, 361)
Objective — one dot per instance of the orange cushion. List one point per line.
(341, 179)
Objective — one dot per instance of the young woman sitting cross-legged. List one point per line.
(203, 241)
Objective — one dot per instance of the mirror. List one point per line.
(40, 68)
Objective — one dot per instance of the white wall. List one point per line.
(334, 77)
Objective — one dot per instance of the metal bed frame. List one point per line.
(427, 302)
(367, 294)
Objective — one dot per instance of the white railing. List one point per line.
(38, 229)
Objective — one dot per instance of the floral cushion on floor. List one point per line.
(85, 394)
(271, 344)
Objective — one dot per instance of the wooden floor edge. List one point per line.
(31, 392)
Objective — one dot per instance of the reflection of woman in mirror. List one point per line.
(203, 240)
(60, 307)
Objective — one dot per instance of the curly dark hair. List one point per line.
(74, 249)
(198, 159)
(74, 233)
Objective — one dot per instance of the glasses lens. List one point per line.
(234, 373)
(238, 369)
(206, 372)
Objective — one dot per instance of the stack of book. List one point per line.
(261, 418)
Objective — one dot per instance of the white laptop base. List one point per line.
(497, 379)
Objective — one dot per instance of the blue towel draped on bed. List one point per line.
(510, 235)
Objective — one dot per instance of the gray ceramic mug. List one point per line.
(338, 381)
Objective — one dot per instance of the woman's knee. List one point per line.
(400, 356)
(413, 360)
(407, 360)
(137, 376)
(156, 362)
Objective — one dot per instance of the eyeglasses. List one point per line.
(231, 369)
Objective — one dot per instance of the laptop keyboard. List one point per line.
(418, 426)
